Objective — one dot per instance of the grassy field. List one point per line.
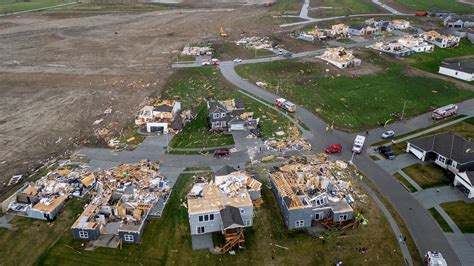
(193, 86)
(112, 7)
(167, 241)
(230, 51)
(344, 99)
(427, 176)
(464, 129)
(400, 178)
(30, 238)
(196, 134)
(442, 223)
(292, 7)
(431, 61)
(343, 7)
(462, 214)
(9, 6)
(434, 5)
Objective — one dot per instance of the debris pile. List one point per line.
(404, 46)
(293, 142)
(44, 198)
(340, 57)
(314, 188)
(197, 50)
(440, 40)
(124, 197)
(256, 42)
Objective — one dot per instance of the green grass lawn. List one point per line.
(358, 102)
(436, 5)
(400, 178)
(292, 7)
(167, 241)
(30, 238)
(196, 134)
(9, 6)
(193, 86)
(442, 223)
(344, 7)
(431, 61)
(427, 176)
(462, 214)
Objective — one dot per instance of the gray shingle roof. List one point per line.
(448, 145)
(464, 66)
(231, 217)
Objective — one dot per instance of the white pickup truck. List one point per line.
(358, 144)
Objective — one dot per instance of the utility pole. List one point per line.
(403, 110)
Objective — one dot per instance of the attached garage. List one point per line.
(237, 126)
(157, 128)
(415, 151)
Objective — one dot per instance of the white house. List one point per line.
(340, 57)
(461, 70)
(465, 179)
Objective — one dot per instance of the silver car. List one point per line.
(388, 134)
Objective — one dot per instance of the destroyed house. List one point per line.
(45, 198)
(340, 57)
(308, 193)
(162, 116)
(394, 49)
(124, 199)
(440, 40)
(229, 115)
(222, 205)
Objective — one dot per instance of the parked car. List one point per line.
(435, 258)
(388, 134)
(205, 63)
(221, 153)
(334, 148)
(287, 54)
(387, 152)
(215, 61)
(237, 60)
(256, 133)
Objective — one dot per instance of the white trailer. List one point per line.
(358, 144)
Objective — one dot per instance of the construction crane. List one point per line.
(223, 34)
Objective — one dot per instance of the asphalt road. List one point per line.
(423, 228)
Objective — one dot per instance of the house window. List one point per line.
(241, 211)
(83, 234)
(215, 115)
(201, 218)
(206, 217)
(128, 238)
(211, 217)
(318, 216)
(441, 159)
(223, 123)
(200, 230)
(342, 217)
(222, 114)
(299, 223)
(248, 222)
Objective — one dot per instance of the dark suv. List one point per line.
(387, 152)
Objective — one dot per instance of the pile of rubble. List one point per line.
(124, 197)
(293, 142)
(256, 42)
(197, 50)
(44, 198)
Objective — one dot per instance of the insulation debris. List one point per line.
(256, 42)
(294, 141)
(197, 50)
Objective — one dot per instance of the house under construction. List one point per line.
(224, 205)
(309, 192)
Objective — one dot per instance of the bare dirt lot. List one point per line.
(59, 73)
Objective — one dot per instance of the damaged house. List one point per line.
(45, 198)
(361, 29)
(162, 117)
(124, 198)
(416, 43)
(229, 115)
(225, 205)
(310, 192)
(440, 40)
(340, 57)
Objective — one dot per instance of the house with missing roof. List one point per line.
(229, 115)
(361, 29)
(462, 69)
(308, 193)
(224, 205)
(449, 151)
(162, 117)
(441, 40)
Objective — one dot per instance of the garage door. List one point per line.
(416, 152)
(237, 127)
(157, 129)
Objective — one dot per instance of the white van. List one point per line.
(358, 144)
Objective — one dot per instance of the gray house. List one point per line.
(449, 151)
(302, 203)
(229, 115)
(459, 22)
(220, 206)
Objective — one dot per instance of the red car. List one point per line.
(221, 153)
(334, 148)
